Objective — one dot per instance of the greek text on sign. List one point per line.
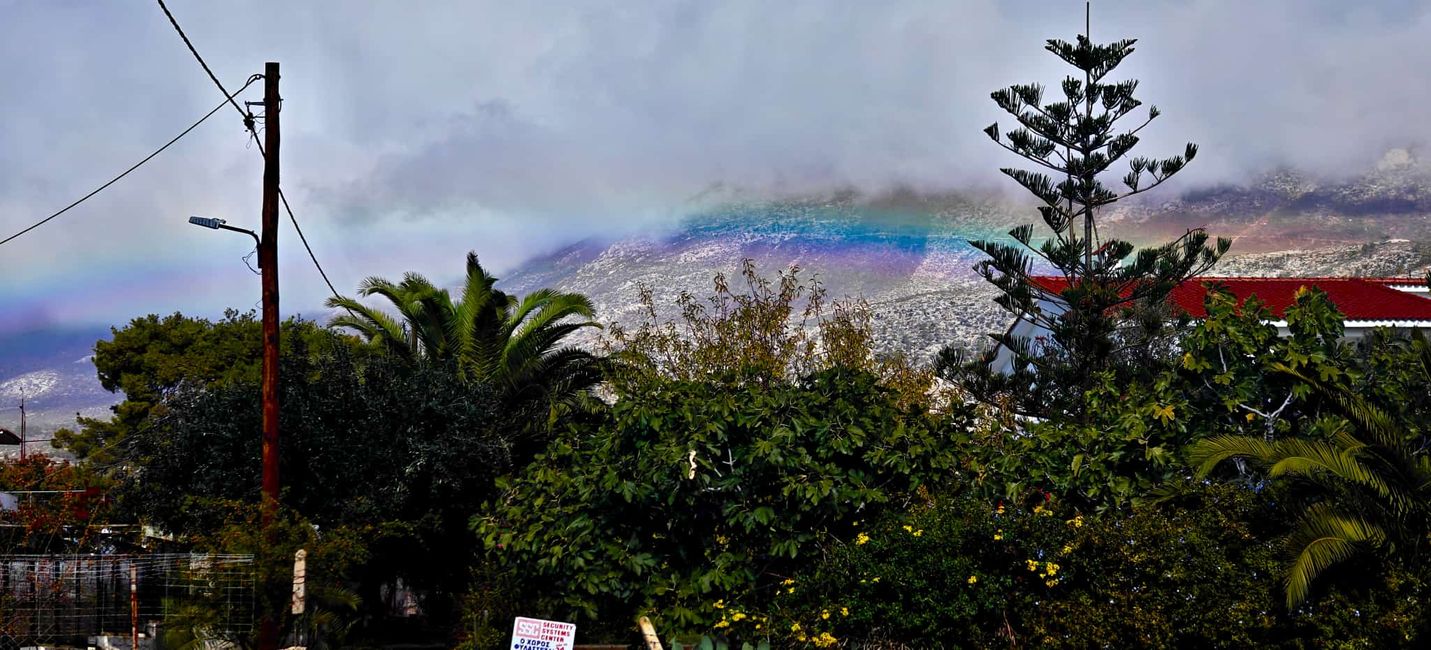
(536, 634)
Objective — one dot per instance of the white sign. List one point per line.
(536, 634)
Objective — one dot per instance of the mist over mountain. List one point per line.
(908, 255)
(53, 371)
(905, 253)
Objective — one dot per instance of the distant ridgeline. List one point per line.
(52, 370)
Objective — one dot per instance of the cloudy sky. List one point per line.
(415, 131)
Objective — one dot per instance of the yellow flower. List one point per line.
(1050, 582)
(998, 534)
(919, 533)
(722, 623)
(999, 510)
(1050, 567)
(790, 590)
(757, 626)
(1066, 549)
(1032, 564)
(875, 579)
(973, 580)
(788, 581)
(824, 614)
(1076, 521)
(1251, 417)
(737, 616)
(722, 540)
(719, 604)
(844, 611)
(1038, 509)
(825, 640)
(908, 528)
(795, 627)
(862, 539)
(802, 638)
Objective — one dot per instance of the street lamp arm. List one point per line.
(250, 233)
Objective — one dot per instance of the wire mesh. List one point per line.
(65, 599)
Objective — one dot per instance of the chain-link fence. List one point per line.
(66, 599)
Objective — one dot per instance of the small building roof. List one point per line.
(8, 437)
(1359, 299)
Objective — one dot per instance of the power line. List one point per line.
(247, 115)
(126, 172)
(299, 229)
(303, 239)
(248, 120)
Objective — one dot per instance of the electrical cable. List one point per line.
(247, 115)
(299, 229)
(248, 119)
(303, 239)
(126, 172)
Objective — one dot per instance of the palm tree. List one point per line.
(1375, 485)
(515, 345)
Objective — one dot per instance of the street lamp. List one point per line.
(220, 224)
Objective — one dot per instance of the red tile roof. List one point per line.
(1359, 299)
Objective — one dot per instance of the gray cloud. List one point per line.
(414, 131)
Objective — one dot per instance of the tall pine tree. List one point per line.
(1105, 308)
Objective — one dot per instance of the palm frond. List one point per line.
(376, 326)
(1325, 537)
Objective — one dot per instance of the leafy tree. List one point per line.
(1130, 444)
(403, 453)
(1106, 309)
(696, 492)
(151, 356)
(745, 434)
(1370, 465)
(516, 345)
(65, 500)
(770, 332)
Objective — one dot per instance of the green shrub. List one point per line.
(1195, 571)
(695, 493)
(942, 574)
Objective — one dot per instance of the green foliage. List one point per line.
(948, 572)
(697, 492)
(334, 555)
(1192, 571)
(1369, 465)
(406, 452)
(153, 356)
(1106, 309)
(1127, 449)
(1131, 439)
(517, 346)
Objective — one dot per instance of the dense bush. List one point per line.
(1199, 570)
(699, 492)
(407, 452)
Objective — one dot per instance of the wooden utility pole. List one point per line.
(133, 604)
(268, 263)
(268, 260)
(23, 438)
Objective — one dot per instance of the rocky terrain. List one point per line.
(53, 372)
(907, 255)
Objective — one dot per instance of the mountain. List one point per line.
(911, 263)
(52, 370)
(910, 259)
(906, 254)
